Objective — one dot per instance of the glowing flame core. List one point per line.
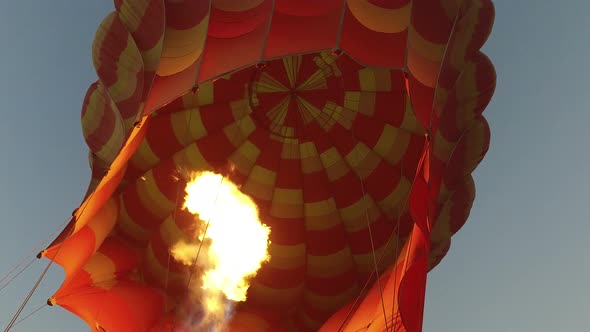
(233, 240)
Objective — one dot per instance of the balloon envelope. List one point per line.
(353, 125)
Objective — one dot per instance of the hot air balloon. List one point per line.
(352, 126)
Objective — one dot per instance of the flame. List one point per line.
(232, 242)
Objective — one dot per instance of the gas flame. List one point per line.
(232, 242)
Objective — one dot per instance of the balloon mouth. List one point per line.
(297, 96)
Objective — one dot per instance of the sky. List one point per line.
(522, 261)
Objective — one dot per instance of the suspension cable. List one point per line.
(38, 282)
(30, 260)
(351, 309)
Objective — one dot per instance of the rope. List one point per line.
(16, 275)
(24, 259)
(200, 59)
(265, 42)
(376, 268)
(340, 25)
(38, 282)
(30, 314)
(22, 306)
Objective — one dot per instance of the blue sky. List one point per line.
(522, 261)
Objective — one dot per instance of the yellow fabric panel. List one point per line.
(315, 81)
(191, 158)
(91, 119)
(152, 198)
(442, 148)
(287, 132)
(365, 262)
(162, 273)
(292, 65)
(290, 149)
(310, 160)
(333, 164)
(329, 303)
(278, 113)
(394, 202)
(352, 100)
(362, 160)
(327, 64)
(367, 103)
(429, 50)
(240, 108)
(392, 144)
(287, 257)
(267, 83)
(308, 111)
(463, 37)
(239, 131)
(144, 157)
(344, 116)
(329, 115)
(387, 20)
(273, 296)
(475, 144)
(103, 222)
(354, 217)
(109, 151)
(287, 196)
(128, 65)
(203, 96)
(424, 70)
(367, 79)
(170, 232)
(129, 227)
(177, 54)
(410, 123)
(330, 265)
(441, 230)
(187, 126)
(151, 57)
(101, 270)
(244, 157)
(466, 90)
(375, 79)
(321, 215)
(260, 183)
(132, 13)
(287, 203)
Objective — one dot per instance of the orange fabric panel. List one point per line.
(128, 306)
(77, 249)
(93, 203)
